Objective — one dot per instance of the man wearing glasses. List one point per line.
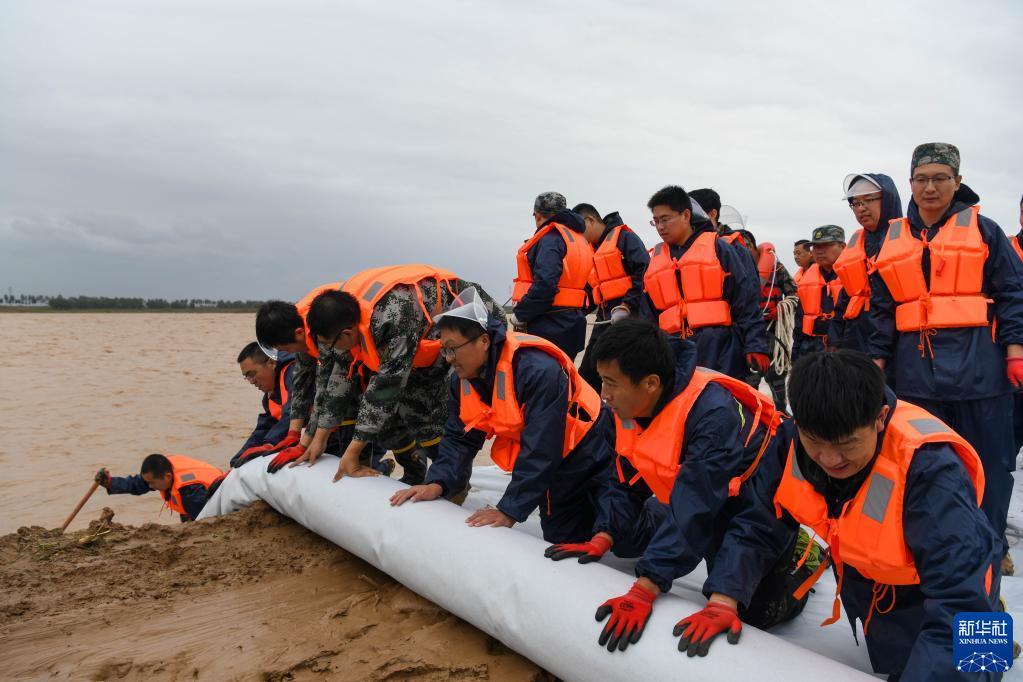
(947, 302)
(275, 379)
(699, 286)
(549, 427)
(874, 201)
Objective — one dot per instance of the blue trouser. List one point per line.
(569, 508)
(588, 367)
(986, 423)
(634, 540)
(565, 328)
(1017, 419)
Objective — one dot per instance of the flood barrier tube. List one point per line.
(498, 580)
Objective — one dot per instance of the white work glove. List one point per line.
(619, 313)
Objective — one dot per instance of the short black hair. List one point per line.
(639, 347)
(156, 465)
(469, 329)
(332, 311)
(802, 242)
(276, 322)
(707, 198)
(253, 352)
(833, 394)
(588, 210)
(672, 196)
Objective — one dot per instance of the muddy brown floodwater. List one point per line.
(249, 596)
(85, 390)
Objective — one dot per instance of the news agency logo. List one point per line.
(982, 642)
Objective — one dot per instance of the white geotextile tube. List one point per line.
(498, 580)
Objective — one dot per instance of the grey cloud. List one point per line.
(247, 149)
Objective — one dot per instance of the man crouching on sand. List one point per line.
(550, 429)
(184, 483)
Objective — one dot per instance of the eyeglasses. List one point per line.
(921, 181)
(448, 352)
(250, 376)
(664, 219)
(338, 336)
(862, 203)
(331, 350)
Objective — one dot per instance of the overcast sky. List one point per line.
(257, 149)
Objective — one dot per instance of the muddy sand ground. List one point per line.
(250, 596)
(253, 596)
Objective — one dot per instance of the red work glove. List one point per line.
(290, 439)
(252, 453)
(700, 629)
(587, 552)
(1014, 368)
(285, 457)
(758, 362)
(629, 614)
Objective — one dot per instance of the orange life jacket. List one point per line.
(853, 268)
(770, 291)
(575, 271)
(699, 302)
(303, 312)
(272, 405)
(503, 419)
(655, 452)
(811, 294)
(868, 533)
(1016, 247)
(955, 297)
(188, 471)
(733, 237)
(608, 280)
(369, 286)
(799, 274)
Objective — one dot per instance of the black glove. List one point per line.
(103, 477)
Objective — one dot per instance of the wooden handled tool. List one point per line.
(81, 504)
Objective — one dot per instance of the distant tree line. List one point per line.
(120, 303)
(127, 303)
(24, 299)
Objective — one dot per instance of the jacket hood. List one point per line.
(613, 220)
(569, 219)
(891, 202)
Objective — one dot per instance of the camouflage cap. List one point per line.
(550, 203)
(825, 234)
(936, 152)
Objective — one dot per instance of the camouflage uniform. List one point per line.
(303, 386)
(397, 407)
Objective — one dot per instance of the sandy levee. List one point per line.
(251, 595)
